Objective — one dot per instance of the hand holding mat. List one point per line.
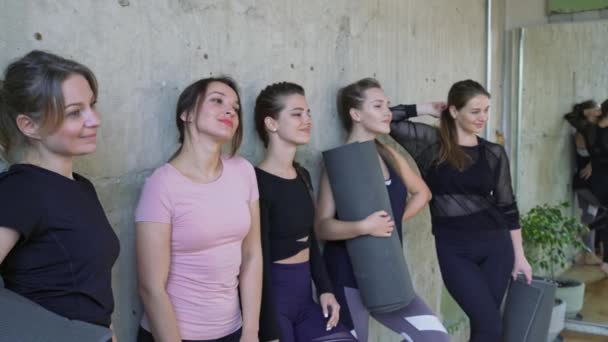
(358, 189)
(527, 311)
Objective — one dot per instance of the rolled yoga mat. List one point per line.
(359, 190)
(26, 321)
(527, 311)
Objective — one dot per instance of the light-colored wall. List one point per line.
(145, 52)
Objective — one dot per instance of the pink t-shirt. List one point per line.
(209, 222)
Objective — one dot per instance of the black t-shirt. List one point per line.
(64, 256)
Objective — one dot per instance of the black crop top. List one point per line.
(290, 214)
(287, 222)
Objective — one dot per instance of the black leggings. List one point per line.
(476, 273)
(144, 335)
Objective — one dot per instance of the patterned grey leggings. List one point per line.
(414, 323)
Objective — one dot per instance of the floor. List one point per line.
(576, 337)
(595, 308)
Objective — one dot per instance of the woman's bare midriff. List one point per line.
(302, 256)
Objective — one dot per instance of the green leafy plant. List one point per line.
(548, 236)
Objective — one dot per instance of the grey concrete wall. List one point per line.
(145, 52)
(563, 64)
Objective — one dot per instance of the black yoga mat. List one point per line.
(527, 311)
(378, 263)
(24, 320)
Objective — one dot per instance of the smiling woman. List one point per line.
(475, 216)
(292, 257)
(197, 226)
(363, 108)
(57, 253)
(47, 101)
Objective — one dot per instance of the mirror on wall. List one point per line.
(555, 67)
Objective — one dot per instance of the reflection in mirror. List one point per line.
(561, 68)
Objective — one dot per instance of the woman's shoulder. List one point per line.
(237, 162)
(14, 177)
(492, 146)
(20, 176)
(161, 176)
(398, 157)
(495, 153)
(22, 186)
(301, 169)
(162, 172)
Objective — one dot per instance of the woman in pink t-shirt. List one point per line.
(198, 235)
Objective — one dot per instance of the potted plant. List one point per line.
(549, 236)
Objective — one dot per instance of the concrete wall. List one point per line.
(563, 64)
(145, 52)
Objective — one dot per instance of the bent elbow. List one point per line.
(320, 231)
(147, 292)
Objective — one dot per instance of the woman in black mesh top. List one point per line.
(474, 214)
(592, 124)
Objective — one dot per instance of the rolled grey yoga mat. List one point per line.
(527, 311)
(378, 263)
(25, 321)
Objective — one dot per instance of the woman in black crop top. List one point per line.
(363, 109)
(475, 217)
(57, 247)
(291, 252)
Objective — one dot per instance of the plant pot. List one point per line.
(572, 292)
(558, 320)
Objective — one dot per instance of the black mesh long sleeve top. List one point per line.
(476, 200)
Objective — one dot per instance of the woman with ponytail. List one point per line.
(292, 257)
(475, 217)
(363, 109)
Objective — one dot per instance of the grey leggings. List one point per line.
(414, 323)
